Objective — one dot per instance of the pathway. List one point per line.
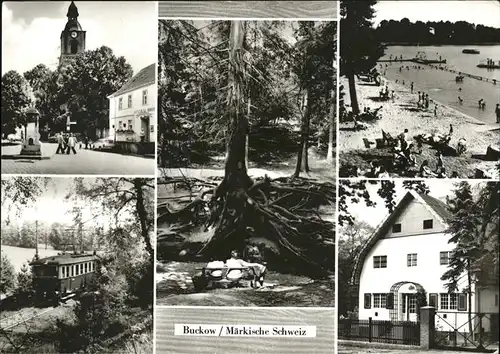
(84, 162)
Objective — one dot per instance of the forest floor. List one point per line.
(321, 170)
(403, 113)
(174, 284)
(41, 335)
(174, 287)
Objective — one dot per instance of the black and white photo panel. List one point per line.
(77, 265)
(246, 192)
(419, 89)
(78, 97)
(418, 264)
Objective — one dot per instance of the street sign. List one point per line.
(69, 123)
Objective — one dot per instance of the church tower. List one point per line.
(72, 37)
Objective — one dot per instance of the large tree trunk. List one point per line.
(141, 212)
(249, 104)
(241, 209)
(302, 156)
(331, 133)
(352, 93)
(235, 169)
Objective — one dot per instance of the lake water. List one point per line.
(441, 85)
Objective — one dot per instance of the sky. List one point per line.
(51, 206)
(486, 12)
(31, 31)
(375, 215)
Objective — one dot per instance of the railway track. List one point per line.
(21, 317)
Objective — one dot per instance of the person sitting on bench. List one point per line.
(236, 262)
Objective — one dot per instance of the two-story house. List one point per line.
(407, 254)
(132, 111)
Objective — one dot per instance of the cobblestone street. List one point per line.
(84, 162)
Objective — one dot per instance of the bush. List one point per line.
(7, 276)
(140, 283)
(24, 280)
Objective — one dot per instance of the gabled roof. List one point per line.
(144, 77)
(67, 258)
(438, 206)
(435, 206)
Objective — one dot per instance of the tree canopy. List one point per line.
(278, 63)
(15, 99)
(79, 88)
(359, 47)
(445, 32)
(86, 83)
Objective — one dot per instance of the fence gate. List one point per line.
(392, 332)
(455, 330)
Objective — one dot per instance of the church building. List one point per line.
(72, 37)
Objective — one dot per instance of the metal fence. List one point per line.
(393, 332)
(458, 330)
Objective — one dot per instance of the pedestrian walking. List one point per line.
(497, 112)
(71, 144)
(60, 143)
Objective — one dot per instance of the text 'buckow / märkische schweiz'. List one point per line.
(211, 330)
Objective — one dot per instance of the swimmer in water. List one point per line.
(460, 100)
(460, 89)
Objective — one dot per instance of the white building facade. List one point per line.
(132, 109)
(408, 254)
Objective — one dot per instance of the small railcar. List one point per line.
(58, 277)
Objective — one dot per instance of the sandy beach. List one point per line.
(402, 113)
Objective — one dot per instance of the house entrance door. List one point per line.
(144, 129)
(409, 308)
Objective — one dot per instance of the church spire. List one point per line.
(72, 11)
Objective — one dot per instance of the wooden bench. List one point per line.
(203, 280)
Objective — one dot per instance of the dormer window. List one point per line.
(428, 224)
(396, 228)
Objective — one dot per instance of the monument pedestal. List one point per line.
(32, 148)
(31, 143)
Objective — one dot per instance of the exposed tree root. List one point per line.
(284, 211)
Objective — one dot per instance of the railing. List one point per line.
(393, 332)
(456, 330)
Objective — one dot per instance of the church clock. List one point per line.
(72, 37)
